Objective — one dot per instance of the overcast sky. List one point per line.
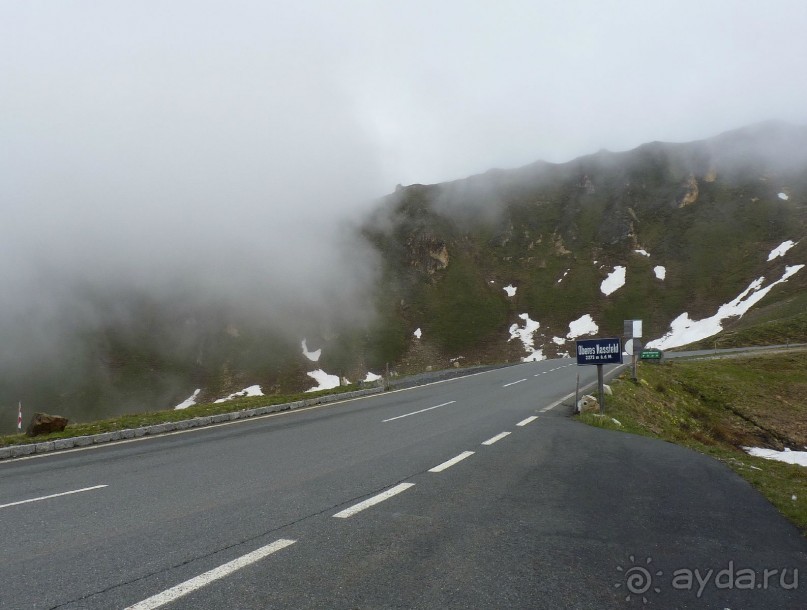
(209, 137)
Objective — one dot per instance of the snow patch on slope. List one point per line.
(660, 271)
(584, 325)
(371, 377)
(614, 281)
(312, 356)
(324, 381)
(526, 336)
(642, 252)
(510, 290)
(783, 196)
(418, 333)
(189, 401)
(253, 390)
(781, 249)
(684, 331)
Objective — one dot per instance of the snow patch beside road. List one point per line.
(189, 401)
(787, 456)
(324, 380)
(253, 390)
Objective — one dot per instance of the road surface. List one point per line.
(468, 493)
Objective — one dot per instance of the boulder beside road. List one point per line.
(42, 423)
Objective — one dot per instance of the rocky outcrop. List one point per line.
(427, 252)
(587, 185)
(440, 254)
(560, 247)
(42, 423)
(690, 196)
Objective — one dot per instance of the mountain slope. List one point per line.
(709, 212)
(506, 265)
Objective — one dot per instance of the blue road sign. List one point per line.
(599, 351)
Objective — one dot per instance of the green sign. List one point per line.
(652, 354)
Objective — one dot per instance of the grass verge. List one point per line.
(717, 407)
(137, 420)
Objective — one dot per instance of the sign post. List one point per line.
(599, 352)
(633, 345)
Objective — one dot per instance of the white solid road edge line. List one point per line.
(383, 421)
(452, 461)
(189, 586)
(530, 419)
(64, 493)
(386, 495)
(498, 437)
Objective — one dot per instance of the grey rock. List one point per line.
(21, 450)
(157, 429)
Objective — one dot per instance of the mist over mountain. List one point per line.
(506, 265)
(189, 189)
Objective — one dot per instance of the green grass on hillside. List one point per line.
(459, 309)
(719, 406)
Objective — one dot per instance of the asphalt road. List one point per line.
(410, 499)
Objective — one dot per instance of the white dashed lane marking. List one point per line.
(496, 438)
(513, 383)
(386, 495)
(189, 586)
(524, 422)
(452, 461)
